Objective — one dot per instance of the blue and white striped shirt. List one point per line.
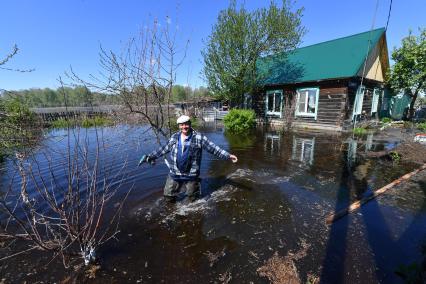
(199, 142)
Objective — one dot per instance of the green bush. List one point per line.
(386, 119)
(359, 131)
(17, 112)
(18, 126)
(240, 120)
(395, 156)
(421, 126)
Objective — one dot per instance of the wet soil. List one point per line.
(400, 140)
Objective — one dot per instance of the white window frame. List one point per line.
(359, 98)
(270, 138)
(307, 114)
(274, 113)
(303, 142)
(375, 101)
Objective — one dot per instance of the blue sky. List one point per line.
(53, 35)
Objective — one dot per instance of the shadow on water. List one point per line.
(333, 266)
(390, 242)
(391, 249)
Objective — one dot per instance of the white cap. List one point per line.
(183, 119)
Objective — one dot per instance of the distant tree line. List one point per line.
(185, 93)
(64, 96)
(82, 96)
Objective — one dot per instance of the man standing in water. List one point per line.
(185, 149)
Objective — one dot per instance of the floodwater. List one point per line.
(274, 201)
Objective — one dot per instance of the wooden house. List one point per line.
(329, 85)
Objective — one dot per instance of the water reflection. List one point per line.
(303, 150)
(272, 143)
(365, 143)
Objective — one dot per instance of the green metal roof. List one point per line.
(339, 58)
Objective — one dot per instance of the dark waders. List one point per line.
(173, 188)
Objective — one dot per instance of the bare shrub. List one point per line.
(142, 75)
(64, 207)
(5, 59)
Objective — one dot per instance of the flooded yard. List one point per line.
(260, 220)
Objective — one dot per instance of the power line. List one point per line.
(369, 41)
(386, 28)
(366, 55)
(390, 9)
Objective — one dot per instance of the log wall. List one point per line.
(366, 103)
(332, 103)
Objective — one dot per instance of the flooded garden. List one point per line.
(261, 220)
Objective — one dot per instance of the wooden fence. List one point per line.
(53, 113)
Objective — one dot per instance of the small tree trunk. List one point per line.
(411, 110)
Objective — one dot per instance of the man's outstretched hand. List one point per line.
(233, 158)
(146, 159)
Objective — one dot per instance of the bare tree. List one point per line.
(143, 74)
(8, 57)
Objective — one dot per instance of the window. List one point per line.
(272, 143)
(307, 102)
(375, 103)
(359, 98)
(303, 150)
(274, 102)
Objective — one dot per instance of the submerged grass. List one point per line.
(85, 122)
(421, 126)
(386, 120)
(359, 131)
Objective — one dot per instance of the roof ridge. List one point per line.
(311, 45)
(341, 57)
(357, 34)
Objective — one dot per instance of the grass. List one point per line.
(395, 156)
(386, 120)
(421, 126)
(359, 131)
(85, 122)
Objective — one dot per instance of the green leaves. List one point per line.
(240, 120)
(240, 38)
(408, 74)
(18, 126)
